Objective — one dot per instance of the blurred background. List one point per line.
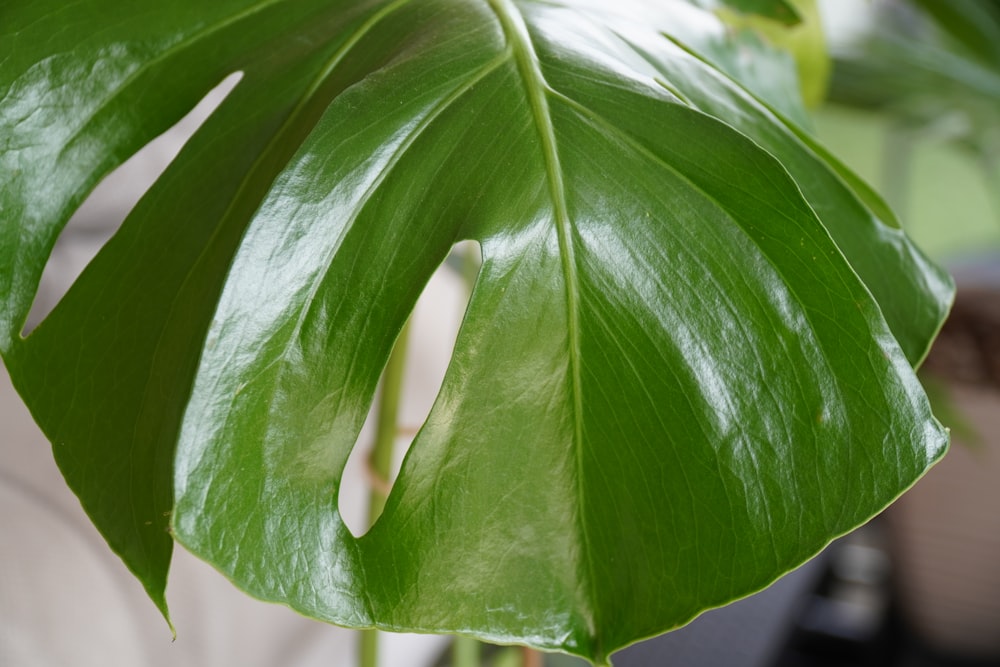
(910, 99)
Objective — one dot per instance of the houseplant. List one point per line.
(698, 326)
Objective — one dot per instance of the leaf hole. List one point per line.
(101, 214)
(433, 330)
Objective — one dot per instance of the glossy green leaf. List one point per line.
(671, 384)
(853, 214)
(760, 67)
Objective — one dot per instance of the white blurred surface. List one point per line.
(65, 599)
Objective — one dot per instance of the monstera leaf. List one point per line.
(685, 367)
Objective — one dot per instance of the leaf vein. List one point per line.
(537, 90)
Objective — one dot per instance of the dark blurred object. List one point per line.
(746, 633)
(968, 347)
(946, 529)
(847, 621)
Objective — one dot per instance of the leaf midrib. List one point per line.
(537, 89)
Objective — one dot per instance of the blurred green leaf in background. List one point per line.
(923, 81)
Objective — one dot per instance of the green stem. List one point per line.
(368, 648)
(470, 266)
(380, 461)
(509, 656)
(465, 652)
(387, 425)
